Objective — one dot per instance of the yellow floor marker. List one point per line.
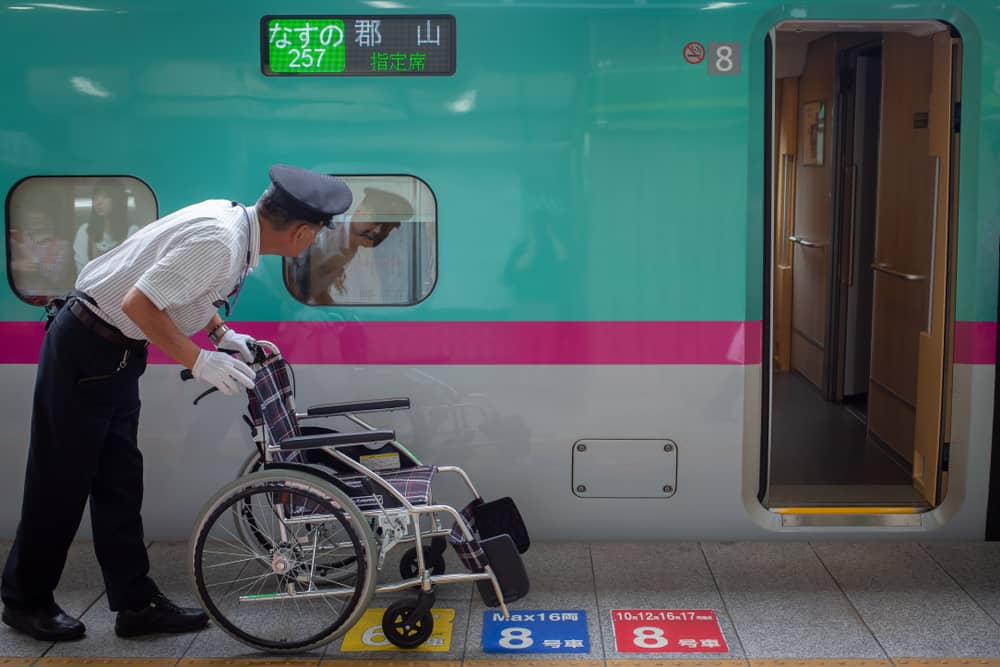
(367, 635)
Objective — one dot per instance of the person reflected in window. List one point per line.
(342, 262)
(108, 225)
(41, 264)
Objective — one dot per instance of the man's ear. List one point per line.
(301, 231)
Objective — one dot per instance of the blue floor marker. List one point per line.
(536, 631)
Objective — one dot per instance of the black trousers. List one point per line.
(84, 429)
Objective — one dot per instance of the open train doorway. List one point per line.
(864, 158)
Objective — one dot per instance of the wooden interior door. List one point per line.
(813, 198)
(904, 238)
(787, 96)
(934, 336)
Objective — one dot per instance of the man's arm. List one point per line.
(214, 323)
(160, 329)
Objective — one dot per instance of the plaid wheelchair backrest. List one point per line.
(272, 405)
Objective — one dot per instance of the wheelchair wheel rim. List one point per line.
(228, 566)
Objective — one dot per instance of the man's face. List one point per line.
(370, 234)
(102, 204)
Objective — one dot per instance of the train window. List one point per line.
(381, 252)
(56, 224)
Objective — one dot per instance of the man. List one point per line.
(160, 286)
(341, 263)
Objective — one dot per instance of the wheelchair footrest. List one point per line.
(507, 566)
(497, 518)
(501, 517)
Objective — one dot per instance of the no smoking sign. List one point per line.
(694, 52)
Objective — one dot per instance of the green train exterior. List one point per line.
(579, 127)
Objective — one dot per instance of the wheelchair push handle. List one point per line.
(262, 351)
(259, 356)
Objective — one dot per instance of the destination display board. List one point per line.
(349, 45)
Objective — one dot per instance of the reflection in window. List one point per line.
(382, 251)
(55, 225)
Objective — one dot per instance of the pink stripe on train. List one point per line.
(508, 343)
(976, 343)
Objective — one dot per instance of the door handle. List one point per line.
(853, 223)
(808, 244)
(885, 268)
(934, 226)
(785, 208)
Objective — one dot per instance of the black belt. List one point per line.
(102, 328)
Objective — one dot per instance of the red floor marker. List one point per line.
(667, 631)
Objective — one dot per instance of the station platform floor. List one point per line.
(790, 604)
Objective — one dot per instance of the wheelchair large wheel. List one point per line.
(291, 595)
(243, 516)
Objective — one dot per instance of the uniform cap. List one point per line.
(309, 195)
(385, 206)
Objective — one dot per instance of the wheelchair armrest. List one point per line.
(336, 439)
(379, 405)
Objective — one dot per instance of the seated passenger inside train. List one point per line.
(108, 225)
(41, 264)
(341, 267)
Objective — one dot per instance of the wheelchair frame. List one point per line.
(389, 526)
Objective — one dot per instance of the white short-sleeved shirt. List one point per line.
(81, 244)
(184, 263)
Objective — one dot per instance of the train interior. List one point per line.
(864, 131)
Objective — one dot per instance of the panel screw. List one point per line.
(668, 489)
(668, 447)
(581, 448)
(580, 488)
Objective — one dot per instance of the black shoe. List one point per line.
(50, 624)
(160, 615)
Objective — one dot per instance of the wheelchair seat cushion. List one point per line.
(413, 483)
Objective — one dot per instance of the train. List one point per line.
(655, 269)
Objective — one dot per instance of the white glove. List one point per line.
(222, 370)
(236, 342)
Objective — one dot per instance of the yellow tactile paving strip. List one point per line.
(947, 662)
(341, 662)
(97, 662)
(278, 661)
(695, 662)
(537, 663)
(819, 662)
(248, 662)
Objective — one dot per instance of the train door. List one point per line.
(864, 160)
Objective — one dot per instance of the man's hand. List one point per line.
(238, 343)
(223, 371)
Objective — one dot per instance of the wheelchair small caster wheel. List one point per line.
(433, 559)
(402, 635)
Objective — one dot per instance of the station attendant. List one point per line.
(159, 286)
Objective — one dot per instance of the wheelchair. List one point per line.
(286, 557)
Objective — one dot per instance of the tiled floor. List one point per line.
(788, 603)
